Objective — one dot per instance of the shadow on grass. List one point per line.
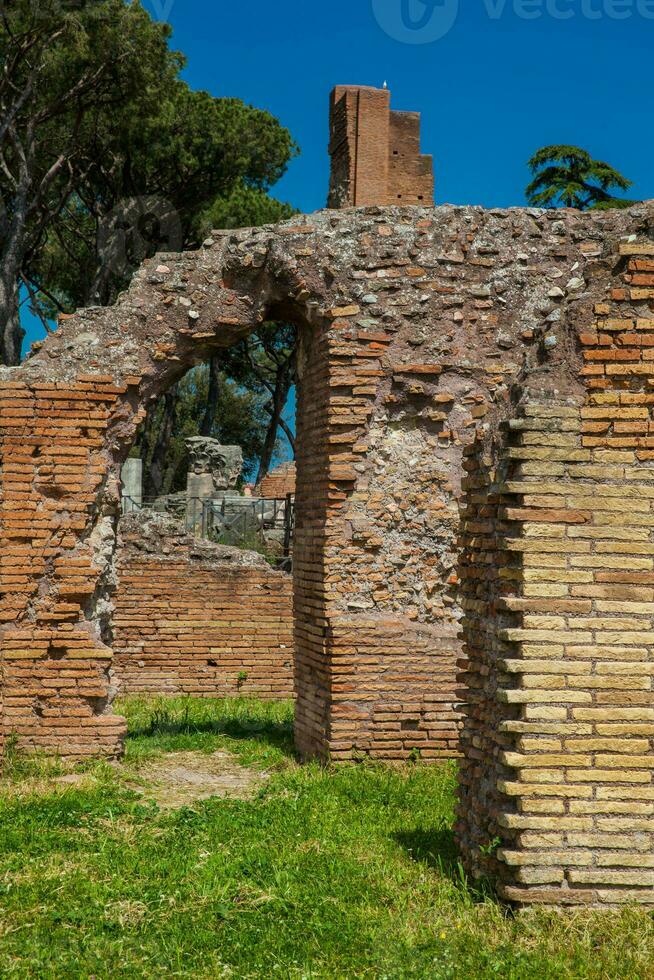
(436, 848)
(165, 724)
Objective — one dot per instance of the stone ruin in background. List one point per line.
(213, 473)
(213, 506)
(212, 468)
(212, 491)
(475, 484)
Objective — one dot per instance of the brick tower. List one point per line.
(375, 151)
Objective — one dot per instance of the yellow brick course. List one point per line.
(574, 650)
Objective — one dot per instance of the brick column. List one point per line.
(56, 679)
(375, 643)
(557, 796)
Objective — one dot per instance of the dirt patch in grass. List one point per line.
(79, 780)
(182, 778)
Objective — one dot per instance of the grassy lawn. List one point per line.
(323, 873)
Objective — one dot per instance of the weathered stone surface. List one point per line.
(222, 465)
(161, 537)
(421, 331)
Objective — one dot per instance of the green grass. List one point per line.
(326, 873)
(259, 733)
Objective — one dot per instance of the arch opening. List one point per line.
(422, 332)
(203, 597)
(374, 669)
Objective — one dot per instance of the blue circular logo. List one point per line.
(416, 21)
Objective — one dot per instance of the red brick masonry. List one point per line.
(196, 618)
(375, 151)
(514, 347)
(558, 576)
(278, 483)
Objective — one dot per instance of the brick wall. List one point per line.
(382, 667)
(558, 575)
(410, 173)
(316, 495)
(195, 618)
(342, 150)
(375, 151)
(393, 690)
(279, 483)
(420, 331)
(54, 660)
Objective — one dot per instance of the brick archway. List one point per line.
(68, 417)
(421, 330)
(374, 667)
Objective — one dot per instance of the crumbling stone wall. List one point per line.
(420, 330)
(56, 549)
(192, 617)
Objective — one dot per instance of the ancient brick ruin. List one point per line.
(279, 483)
(375, 151)
(192, 617)
(511, 347)
(558, 595)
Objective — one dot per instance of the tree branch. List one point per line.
(287, 431)
(46, 292)
(35, 303)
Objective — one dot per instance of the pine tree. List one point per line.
(567, 176)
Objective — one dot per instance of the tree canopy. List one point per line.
(106, 155)
(243, 207)
(567, 176)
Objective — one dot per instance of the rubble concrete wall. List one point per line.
(421, 330)
(191, 617)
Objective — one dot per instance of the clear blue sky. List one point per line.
(493, 89)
